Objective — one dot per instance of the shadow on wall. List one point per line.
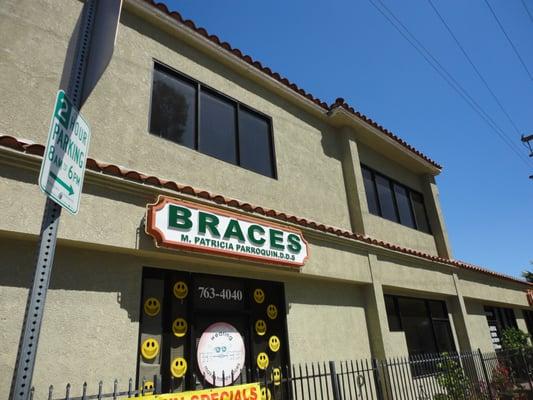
(81, 270)
(475, 308)
(304, 291)
(144, 29)
(89, 187)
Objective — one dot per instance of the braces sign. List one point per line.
(185, 225)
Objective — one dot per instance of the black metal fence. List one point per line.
(466, 376)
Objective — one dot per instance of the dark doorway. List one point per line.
(243, 323)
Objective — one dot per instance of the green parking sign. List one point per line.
(63, 167)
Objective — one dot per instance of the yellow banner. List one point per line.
(250, 391)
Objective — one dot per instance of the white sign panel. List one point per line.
(221, 354)
(64, 159)
(189, 226)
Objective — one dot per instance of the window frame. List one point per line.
(409, 190)
(501, 318)
(428, 315)
(528, 318)
(165, 68)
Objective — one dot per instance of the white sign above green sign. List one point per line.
(184, 225)
(63, 166)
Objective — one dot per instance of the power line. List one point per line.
(478, 73)
(452, 82)
(527, 10)
(476, 69)
(509, 39)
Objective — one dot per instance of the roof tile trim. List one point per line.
(339, 102)
(135, 176)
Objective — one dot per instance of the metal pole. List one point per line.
(485, 374)
(31, 328)
(334, 381)
(377, 379)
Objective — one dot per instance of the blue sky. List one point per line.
(348, 49)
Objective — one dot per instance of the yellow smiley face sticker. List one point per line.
(150, 348)
(272, 311)
(273, 343)
(259, 296)
(179, 327)
(265, 394)
(260, 327)
(262, 360)
(180, 290)
(276, 376)
(148, 387)
(152, 306)
(178, 367)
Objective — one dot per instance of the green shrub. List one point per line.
(452, 378)
(514, 339)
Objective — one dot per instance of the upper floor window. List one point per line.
(394, 201)
(193, 115)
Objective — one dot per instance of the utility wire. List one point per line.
(452, 82)
(509, 39)
(478, 73)
(527, 10)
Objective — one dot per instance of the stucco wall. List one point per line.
(309, 169)
(90, 328)
(483, 287)
(478, 326)
(113, 217)
(390, 231)
(90, 325)
(378, 162)
(394, 232)
(394, 272)
(331, 326)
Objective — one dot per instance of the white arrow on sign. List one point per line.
(63, 166)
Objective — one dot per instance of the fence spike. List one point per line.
(100, 384)
(84, 391)
(32, 392)
(67, 392)
(115, 387)
(50, 392)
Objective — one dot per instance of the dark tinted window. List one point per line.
(510, 319)
(394, 201)
(438, 309)
(370, 189)
(386, 199)
(191, 114)
(499, 319)
(425, 323)
(217, 127)
(255, 143)
(393, 315)
(404, 206)
(173, 111)
(443, 336)
(420, 212)
(528, 316)
(417, 326)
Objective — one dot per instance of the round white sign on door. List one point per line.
(220, 354)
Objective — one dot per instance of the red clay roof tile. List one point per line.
(339, 102)
(122, 172)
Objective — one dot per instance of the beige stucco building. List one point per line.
(379, 280)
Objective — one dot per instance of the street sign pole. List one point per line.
(23, 374)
